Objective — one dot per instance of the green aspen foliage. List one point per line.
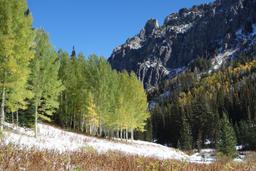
(45, 84)
(16, 52)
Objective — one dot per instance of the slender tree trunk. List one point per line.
(82, 125)
(73, 115)
(71, 121)
(61, 103)
(70, 114)
(86, 128)
(66, 110)
(132, 136)
(36, 120)
(74, 123)
(106, 133)
(112, 133)
(2, 110)
(126, 135)
(17, 117)
(90, 128)
(94, 130)
(117, 134)
(199, 141)
(100, 131)
(12, 118)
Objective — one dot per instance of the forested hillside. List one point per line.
(198, 102)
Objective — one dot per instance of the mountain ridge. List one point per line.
(160, 52)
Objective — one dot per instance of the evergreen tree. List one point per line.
(248, 134)
(185, 141)
(226, 140)
(202, 119)
(45, 84)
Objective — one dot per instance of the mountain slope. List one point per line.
(159, 52)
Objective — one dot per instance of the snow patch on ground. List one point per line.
(154, 64)
(182, 28)
(51, 138)
(221, 58)
(205, 156)
(241, 35)
(250, 38)
(55, 139)
(134, 43)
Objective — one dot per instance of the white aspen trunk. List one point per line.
(121, 134)
(36, 120)
(117, 134)
(100, 134)
(111, 134)
(66, 110)
(2, 110)
(82, 125)
(132, 136)
(90, 129)
(95, 129)
(74, 122)
(100, 128)
(12, 119)
(87, 130)
(127, 134)
(17, 117)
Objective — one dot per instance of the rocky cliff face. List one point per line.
(208, 30)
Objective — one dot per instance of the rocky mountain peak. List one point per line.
(205, 30)
(150, 27)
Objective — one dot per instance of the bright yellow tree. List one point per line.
(92, 117)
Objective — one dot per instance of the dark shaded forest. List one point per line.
(191, 116)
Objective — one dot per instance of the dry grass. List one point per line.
(12, 159)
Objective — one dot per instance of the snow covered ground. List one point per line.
(205, 156)
(221, 58)
(51, 138)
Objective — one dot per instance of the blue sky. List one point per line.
(98, 26)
